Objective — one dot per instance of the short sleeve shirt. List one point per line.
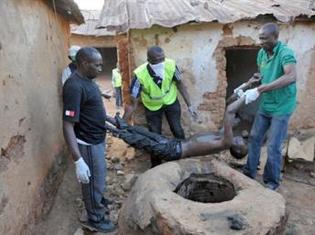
(279, 101)
(83, 106)
(135, 88)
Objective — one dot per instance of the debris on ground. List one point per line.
(237, 222)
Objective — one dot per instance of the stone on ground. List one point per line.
(301, 149)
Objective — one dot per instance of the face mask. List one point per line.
(158, 69)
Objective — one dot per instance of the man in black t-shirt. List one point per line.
(84, 119)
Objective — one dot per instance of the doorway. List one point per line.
(240, 66)
(109, 55)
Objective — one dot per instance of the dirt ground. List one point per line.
(124, 165)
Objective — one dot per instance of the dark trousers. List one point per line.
(93, 193)
(118, 96)
(154, 120)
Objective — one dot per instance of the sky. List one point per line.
(90, 4)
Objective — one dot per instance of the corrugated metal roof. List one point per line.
(122, 15)
(91, 18)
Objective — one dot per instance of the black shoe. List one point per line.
(104, 226)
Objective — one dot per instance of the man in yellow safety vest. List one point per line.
(156, 83)
(116, 82)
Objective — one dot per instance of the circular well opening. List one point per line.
(206, 188)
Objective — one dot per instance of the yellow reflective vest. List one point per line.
(152, 96)
(116, 78)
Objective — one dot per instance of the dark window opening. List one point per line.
(109, 60)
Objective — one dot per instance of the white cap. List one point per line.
(73, 50)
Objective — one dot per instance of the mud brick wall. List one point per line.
(33, 53)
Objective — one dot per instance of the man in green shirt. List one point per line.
(277, 67)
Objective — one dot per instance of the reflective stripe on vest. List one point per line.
(153, 97)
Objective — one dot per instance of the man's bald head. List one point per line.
(270, 28)
(86, 54)
(155, 55)
(89, 62)
(268, 36)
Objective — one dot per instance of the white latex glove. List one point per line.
(82, 171)
(237, 89)
(193, 112)
(251, 95)
(240, 93)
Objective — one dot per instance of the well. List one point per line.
(206, 188)
(199, 196)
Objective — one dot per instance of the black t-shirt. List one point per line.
(83, 105)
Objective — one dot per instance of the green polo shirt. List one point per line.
(280, 101)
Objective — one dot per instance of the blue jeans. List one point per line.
(277, 127)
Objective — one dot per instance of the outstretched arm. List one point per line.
(204, 144)
(228, 120)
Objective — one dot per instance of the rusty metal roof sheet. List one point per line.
(122, 15)
(68, 8)
(91, 18)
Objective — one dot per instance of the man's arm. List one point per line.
(227, 138)
(228, 120)
(135, 90)
(286, 79)
(130, 109)
(81, 168)
(183, 91)
(68, 132)
(204, 144)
